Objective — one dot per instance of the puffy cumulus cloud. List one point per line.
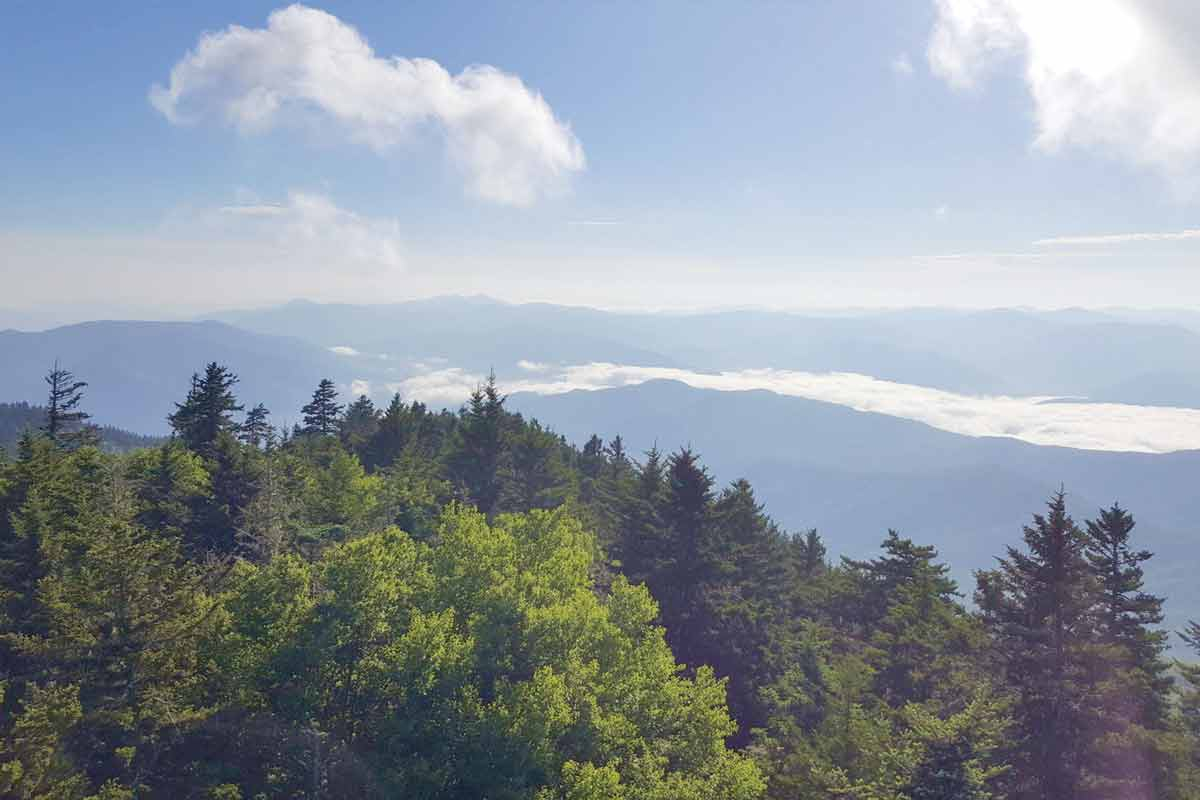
(307, 65)
(1120, 76)
(1038, 420)
(360, 387)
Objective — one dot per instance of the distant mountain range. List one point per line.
(280, 351)
(854, 475)
(850, 474)
(136, 371)
(1101, 356)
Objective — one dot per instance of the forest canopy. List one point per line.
(401, 602)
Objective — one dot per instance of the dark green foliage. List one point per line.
(256, 429)
(18, 418)
(232, 615)
(322, 413)
(66, 423)
(207, 411)
(358, 425)
(473, 460)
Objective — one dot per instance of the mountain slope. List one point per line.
(1072, 352)
(853, 474)
(137, 370)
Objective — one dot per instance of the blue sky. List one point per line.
(829, 153)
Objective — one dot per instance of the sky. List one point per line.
(168, 159)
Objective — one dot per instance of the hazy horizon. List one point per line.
(930, 153)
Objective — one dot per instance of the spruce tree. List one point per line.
(1131, 680)
(256, 428)
(474, 457)
(688, 562)
(640, 540)
(321, 415)
(67, 424)
(207, 411)
(358, 425)
(1039, 604)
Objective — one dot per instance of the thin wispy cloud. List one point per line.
(308, 67)
(1120, 238)
(1063, 423)
(590, 222)
(311, 226)
(343, 350)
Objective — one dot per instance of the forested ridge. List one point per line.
(398, 602)
(17, 418)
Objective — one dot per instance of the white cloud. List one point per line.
(305, 245)
(1121, 238)
(309, 66)
(312, 227)
(343, 350)
(941, 211)
(1118, 76)
(902, 65)
(359, 387)
(532, 366)
(1063, 423)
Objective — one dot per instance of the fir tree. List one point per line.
(321, 415)
(1131, 679)
(474, 458)
(66, 423)
(358, 425)
(687, 562)
(256, 428)
(1038, 605)
(208, 409)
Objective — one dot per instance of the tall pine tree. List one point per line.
(66, 423)
(1039, 605)
(322, 414)
(208, 410)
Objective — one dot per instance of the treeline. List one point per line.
(398, 602)
(17, 418)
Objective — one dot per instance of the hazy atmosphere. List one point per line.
(791, 155)
(581, 400)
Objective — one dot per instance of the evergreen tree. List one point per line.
(1039, 605)
(66, 423)
(533, 472)
(358, 425)
(1132, 679)
(256, 428)
(687, 563)
(473, 461)
(207, 411)
(640, 541)
(321, 415)
(1126, 613)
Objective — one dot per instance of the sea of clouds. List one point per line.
(1043, 420)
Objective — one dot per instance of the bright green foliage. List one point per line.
(34, 762)
(484, 661)
(465, 605)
